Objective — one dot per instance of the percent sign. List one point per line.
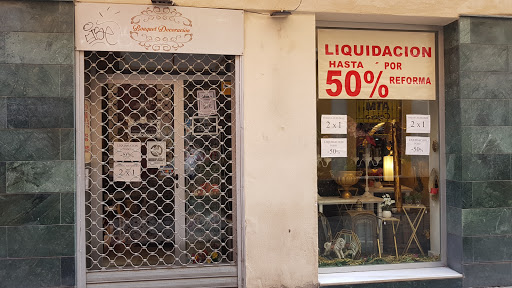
(368, 76)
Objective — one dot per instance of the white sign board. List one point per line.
(127, 151)
(370, 64)
(207, 103)
(417, 145)
(127, 172)
(158, 28)
(417, 123)
(334, 124)
(156, 154)
(333, 147)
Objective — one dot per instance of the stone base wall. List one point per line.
(37, 243)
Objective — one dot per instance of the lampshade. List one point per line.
(388, 168)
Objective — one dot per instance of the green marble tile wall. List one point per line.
(37, 185)
(478, 67)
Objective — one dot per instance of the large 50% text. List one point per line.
(350, 76)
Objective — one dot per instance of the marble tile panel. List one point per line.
(486, 221)
(67, 81)
(40, 241)
(29, 209)
(464, 30)
(478, 57)
(492, 248)
(452, 61)
(467, 249)
(492, 194)
(67, 208)
(491, 140)
(3, 242)
(67, 144)
(453, 193)
(66, 17)
(454, 251)
(39, 48)
(18, 80)
(29, 145)
(3, 112)
(453, 167)
(30, 273)
(2, 47)
(454, 220)
(451, 35)
(68, 271)
(40, 112)
(40, 177)
(3, 177)
(487, 274)
(476, 112)
(490, 31)
(478, 167)
(485, 85)
(30, 16)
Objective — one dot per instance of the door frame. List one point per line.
(221, 276)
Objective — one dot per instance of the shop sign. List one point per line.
(127, 151)
(417, 123)
(333, 147)
(333, 124)
(156, 154)
(417, 145)
(158, 28)
(370, 64)
(127, 171)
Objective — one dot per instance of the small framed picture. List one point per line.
(205, 125)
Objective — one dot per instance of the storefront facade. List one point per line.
(235, 198)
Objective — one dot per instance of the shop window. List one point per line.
(378, 154)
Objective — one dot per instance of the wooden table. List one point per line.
(394, 223)
(414, 224)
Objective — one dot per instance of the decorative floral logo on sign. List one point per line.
(157, 28)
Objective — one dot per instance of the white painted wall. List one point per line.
(280, 151)
(369, 10)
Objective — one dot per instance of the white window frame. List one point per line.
(342, 272)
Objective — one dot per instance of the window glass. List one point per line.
(377, 169)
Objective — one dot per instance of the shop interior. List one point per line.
(379, 204)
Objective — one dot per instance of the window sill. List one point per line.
(387, 276)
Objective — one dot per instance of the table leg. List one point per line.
(394, 237)
(321, 208)
(414, 227)
(379, 219)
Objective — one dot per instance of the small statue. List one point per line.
(336, 246)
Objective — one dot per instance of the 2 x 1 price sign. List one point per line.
(370, 64)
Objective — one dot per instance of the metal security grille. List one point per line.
(159, 160)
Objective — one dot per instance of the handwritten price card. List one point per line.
(333, 147)
(334, 124)
(127, 172)
(418, 123)
(417, 145)
(127, 151)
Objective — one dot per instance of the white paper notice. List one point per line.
(333, 147)
(417, 145)
(156, 154)
(418, 123)
(207, 103)
(127, 151)
(334, 124)
(127, 172)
